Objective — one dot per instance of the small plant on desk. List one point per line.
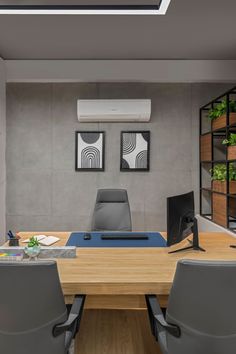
(33, 248)
(33, 242)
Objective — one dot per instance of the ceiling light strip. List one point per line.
(85, 9)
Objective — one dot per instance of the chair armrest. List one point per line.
(156, 317)
(73, 321)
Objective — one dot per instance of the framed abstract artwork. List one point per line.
(135, 151)
(89, 150)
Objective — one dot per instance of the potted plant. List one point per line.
(231, 143)
(218, 114)
(33, 248)
(219, 178)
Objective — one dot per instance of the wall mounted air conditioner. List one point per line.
(114, 110)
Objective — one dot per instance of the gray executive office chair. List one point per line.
(201, 312)
(112, 211)
(33, 314)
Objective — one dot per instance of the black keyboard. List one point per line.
(124, 237)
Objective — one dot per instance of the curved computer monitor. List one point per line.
(181, 221)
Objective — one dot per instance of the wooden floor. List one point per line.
(115, 332)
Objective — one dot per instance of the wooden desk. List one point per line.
(122, 276)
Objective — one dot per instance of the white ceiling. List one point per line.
(191, 29)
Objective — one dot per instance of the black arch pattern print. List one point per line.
(90, 151)
(90, 157)
(135, 151)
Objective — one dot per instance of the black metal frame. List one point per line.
(82, 7)
(226, 131)
(76, 152)
(122, 169)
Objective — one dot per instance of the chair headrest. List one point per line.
(112, 196)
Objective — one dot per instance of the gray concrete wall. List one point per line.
(2, 151)
(43, 190)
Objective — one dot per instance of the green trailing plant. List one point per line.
(33, 242)
(221, 108)
(231, 141)
(219, 172)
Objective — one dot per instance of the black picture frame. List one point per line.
(146, 158)
(78, 166)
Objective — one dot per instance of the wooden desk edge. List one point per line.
(114, 295)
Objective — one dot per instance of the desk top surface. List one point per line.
(131, 271)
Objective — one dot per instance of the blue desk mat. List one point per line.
(77, 239)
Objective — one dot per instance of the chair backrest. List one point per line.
(31, 304)
(112, 211)
(202, 304)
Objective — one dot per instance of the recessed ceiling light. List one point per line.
(159, 9)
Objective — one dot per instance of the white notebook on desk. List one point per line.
(45, 240)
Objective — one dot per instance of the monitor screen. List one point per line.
(180, 215)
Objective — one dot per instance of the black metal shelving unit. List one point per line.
(207, 194)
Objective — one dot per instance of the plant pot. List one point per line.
(32, 252)
(221, 121)
(231, 152)
(221, 187)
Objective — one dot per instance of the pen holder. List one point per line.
(13, 242)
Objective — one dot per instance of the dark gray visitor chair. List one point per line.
(33, 314)
(201, 311)
(112, 211)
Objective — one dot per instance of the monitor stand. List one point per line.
(195, 242)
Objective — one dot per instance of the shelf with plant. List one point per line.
(231, 146)
(218, 148)
(219, 178)
(218, 114)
